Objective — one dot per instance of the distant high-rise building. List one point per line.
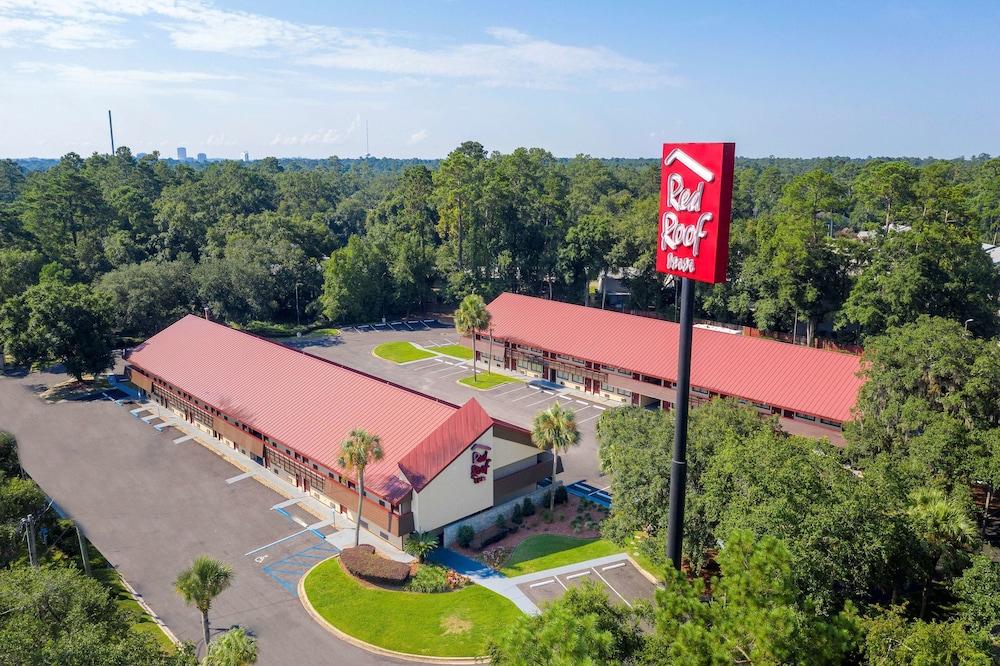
(246, 156)
(182, 153)
(202, 157)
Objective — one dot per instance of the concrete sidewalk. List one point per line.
(492, 579)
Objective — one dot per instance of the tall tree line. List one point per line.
(291, 241)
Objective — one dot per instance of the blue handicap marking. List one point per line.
(287, 572)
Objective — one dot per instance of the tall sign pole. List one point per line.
(696, 192)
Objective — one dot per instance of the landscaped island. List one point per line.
(444, 624)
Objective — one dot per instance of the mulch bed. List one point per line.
(532, 525)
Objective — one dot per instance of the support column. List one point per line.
(678, 467)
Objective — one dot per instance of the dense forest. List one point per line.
(883, 552)
(293, 240)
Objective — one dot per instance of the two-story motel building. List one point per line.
(290, 411)
(633, 360)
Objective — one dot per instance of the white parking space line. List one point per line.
(564, 397)
(583, 402)
(427, 363)
(579, 409)
(595, 416)
(440, 370)
(294, 500)
(612, 588)
(529, 395)
(185, 438)
(599, 407)
(239, 477)
(577, 575)
(147, 419)
(544, 582)
(613, 566)
(136, 411)
(546, 398)
(452, 374)
(300, 521)
(514, 390)
(276, 542)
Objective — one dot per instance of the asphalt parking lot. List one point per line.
(621, 581)
(151, 501)
(516, 403)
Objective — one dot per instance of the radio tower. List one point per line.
(368, 153)
(111, 129)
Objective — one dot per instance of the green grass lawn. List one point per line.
(545, 551)
(449, 624)
(324, 332)
(400, 352)
(456, 351)
(487, 380)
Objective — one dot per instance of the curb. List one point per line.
(647, 575)
(368, 647)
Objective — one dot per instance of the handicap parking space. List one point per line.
(621, 581)
(286, 561)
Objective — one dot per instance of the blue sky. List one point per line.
(609, 79)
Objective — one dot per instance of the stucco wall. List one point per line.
(481, 521)
(453, 494)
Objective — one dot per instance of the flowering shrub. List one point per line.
(496, 557)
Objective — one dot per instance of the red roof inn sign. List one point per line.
(696, 192)
(480, 462)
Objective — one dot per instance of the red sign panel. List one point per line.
(696, 195)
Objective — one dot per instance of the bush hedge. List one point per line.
(527, 507)
(429, 578)
(465, 535)
(362, 561)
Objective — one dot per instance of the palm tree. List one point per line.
(355, 453)
(944, 526)
(555, 430)
(234, 648)
(471, 317)
(203, 582)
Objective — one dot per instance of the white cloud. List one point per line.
(417, 137)
(508, 57)
(81, 75)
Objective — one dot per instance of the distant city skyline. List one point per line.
(303, 79)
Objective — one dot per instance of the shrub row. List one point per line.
(363, 562)
(562, 496)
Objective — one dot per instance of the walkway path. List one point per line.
(492, 579)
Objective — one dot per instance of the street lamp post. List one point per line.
(967, 323)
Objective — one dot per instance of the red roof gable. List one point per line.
(812, 381)
(441, 447)
(304, 402)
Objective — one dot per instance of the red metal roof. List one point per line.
(442, 446)
(299, 400)
(812, 381)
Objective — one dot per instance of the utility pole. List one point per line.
(111, 128)
(678, 467)
(84, 553)
(298, 322)
(29, 524)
